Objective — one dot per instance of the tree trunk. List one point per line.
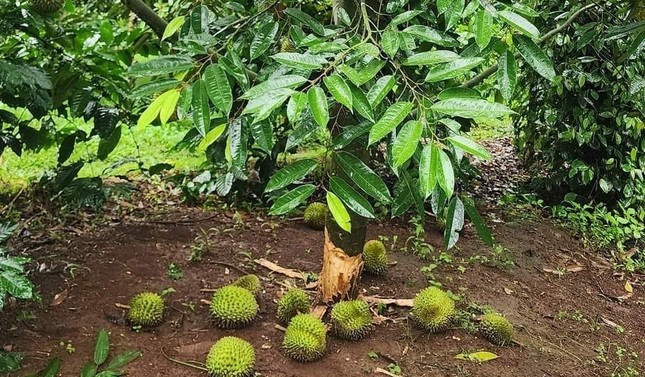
(147, 15)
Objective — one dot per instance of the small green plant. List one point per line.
(394, 369)
(202, 245)
(372, 355)
(10, 361)
(69, 347)
(14, 281)
(500, 258)
(99, 366)
(175, 272)
(416, 241)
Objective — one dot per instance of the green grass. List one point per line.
(155, 145)
(487, 129)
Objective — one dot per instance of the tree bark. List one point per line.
(147, 15)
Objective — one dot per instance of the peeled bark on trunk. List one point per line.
(340, 273)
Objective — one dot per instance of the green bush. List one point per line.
(13, 277)
(582, 135)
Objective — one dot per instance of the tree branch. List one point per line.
(147, 15)
(492, 69)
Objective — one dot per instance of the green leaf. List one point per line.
(211, 137)
(431, 58)
(363, 176)
(301, 132)
(343, 16)
(452, 69)
(290, 200)
(534, 56)
(412, 188)
(219, 89)
(471, 108)
(107, 145)
(390, 42)
(458, 92)
(365, 74)
(339, 212)
(299, 61)
(151, 113)
(152, 87)
(168, 106)
(445, 173)
(482, 230)
(263, 105)
(507, 74)
(89, 370)
(318, 105)
(406, 142)
(102, 347)
(380, 89)
(123, 359)
(10, 361)
(201, 110)
(306, 19)
(263, 39)
(393, 116)
(16, 284)
(469, 146)
(483, 28)
(238, 144)
(428, 34)
(428, 169)
(349, 134)
(454, 222)
(51, 369)
(520, 23)
(286, 81)
(339, 90)
(262, 133)
(297, 103)
(452, 10)
(361, 104)
(162, 66)
(480, 357)
(352, 198)
(404, 17)
(173, 26)
(290, 173)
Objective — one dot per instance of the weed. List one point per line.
(394, 369)
(174, 272)
(202, 245)
(26, 315)
(500, 258)
(372, 355)
(420, 247)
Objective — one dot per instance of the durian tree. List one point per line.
(391, 78)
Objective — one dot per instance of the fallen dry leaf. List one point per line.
(508, 291)
(575, 268)
(610, 323)
(628, 287)
(59, 298)
(196, 349)
(281, 270)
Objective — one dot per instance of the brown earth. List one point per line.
(562, 315)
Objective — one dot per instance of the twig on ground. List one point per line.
(238, 269)
(278, 269)
(406, 302)
(383, 371)
(184, 363)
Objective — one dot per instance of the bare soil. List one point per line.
(564, 302)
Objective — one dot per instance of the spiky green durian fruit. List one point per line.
(233, 307)
(497, 329)
(375, 257)
(251, 283)
(231, 357)
(47, 6)
(294, 302)
(351, 320)
(433, 309)
(146, 309)
(305, 338)
(315, 215)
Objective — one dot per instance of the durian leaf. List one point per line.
(454, 222)
(262, 39)
(291, 199)
(218, 87)
(392, 117)
(107, 145)
(469, 146)
(471, 108)
(519, 23)
(406, 142)
(51, 369)
(431, 58)
(306, 19)
(534, 56)
(122, 359)
(339, 89)
(289, 174)
(201, 110)
(318, 105)
(173, 26)
(211, 136)
(507, 74)
(360, 102)
(350, 133)
(445, 173)
(339, 212)
(363, 176)
(162, 66)
(352, 198)
(482, 229)
(380, 89)
(287, 81)
(428, 169)
(483, 28)
(452, 69)
(299, 61)
(102, 347)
